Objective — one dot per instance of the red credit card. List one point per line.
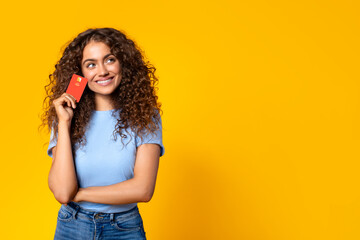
(76, 86)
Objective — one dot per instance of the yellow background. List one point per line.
(261, 115)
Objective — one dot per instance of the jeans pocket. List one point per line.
(131, 223)
(64, 214)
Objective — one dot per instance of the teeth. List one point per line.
(105, 81)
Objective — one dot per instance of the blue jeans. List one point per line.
(76, 223)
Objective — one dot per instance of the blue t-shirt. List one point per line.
(104, 161)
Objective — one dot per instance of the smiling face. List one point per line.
(102, 69)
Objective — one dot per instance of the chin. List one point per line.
(101, 90)
(104, 92)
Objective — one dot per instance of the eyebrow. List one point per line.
(90, 59)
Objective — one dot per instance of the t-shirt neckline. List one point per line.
(104, 111)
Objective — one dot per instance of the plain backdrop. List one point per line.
(260, 124)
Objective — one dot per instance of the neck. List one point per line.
(103, 103)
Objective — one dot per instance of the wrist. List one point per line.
(79, 197)
(64, 124)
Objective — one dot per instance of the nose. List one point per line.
(102, 70)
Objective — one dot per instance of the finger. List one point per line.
(72, 97)
(68, 101)
(73, 103)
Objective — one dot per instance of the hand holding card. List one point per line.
(76, 86)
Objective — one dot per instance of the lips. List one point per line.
(104, 81)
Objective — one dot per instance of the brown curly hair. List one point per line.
(135, 100)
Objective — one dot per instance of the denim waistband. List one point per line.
(76, 209)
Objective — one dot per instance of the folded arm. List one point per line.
(140, 188)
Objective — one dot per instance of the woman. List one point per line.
(97, 177)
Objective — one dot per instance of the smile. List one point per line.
(105, 82)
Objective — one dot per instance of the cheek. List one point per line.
(115, 68)
(88, 74)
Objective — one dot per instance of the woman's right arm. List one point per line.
(62, 176)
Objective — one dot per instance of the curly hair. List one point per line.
(135, 100)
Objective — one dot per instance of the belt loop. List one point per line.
(76, 210)
(111, 217)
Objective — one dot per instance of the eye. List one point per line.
(111, 60)
(89, 65)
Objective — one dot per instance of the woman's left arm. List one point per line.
(140, 188)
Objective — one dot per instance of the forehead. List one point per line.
(95, 50)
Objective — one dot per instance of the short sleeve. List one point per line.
(155, 137)
(52, 143)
